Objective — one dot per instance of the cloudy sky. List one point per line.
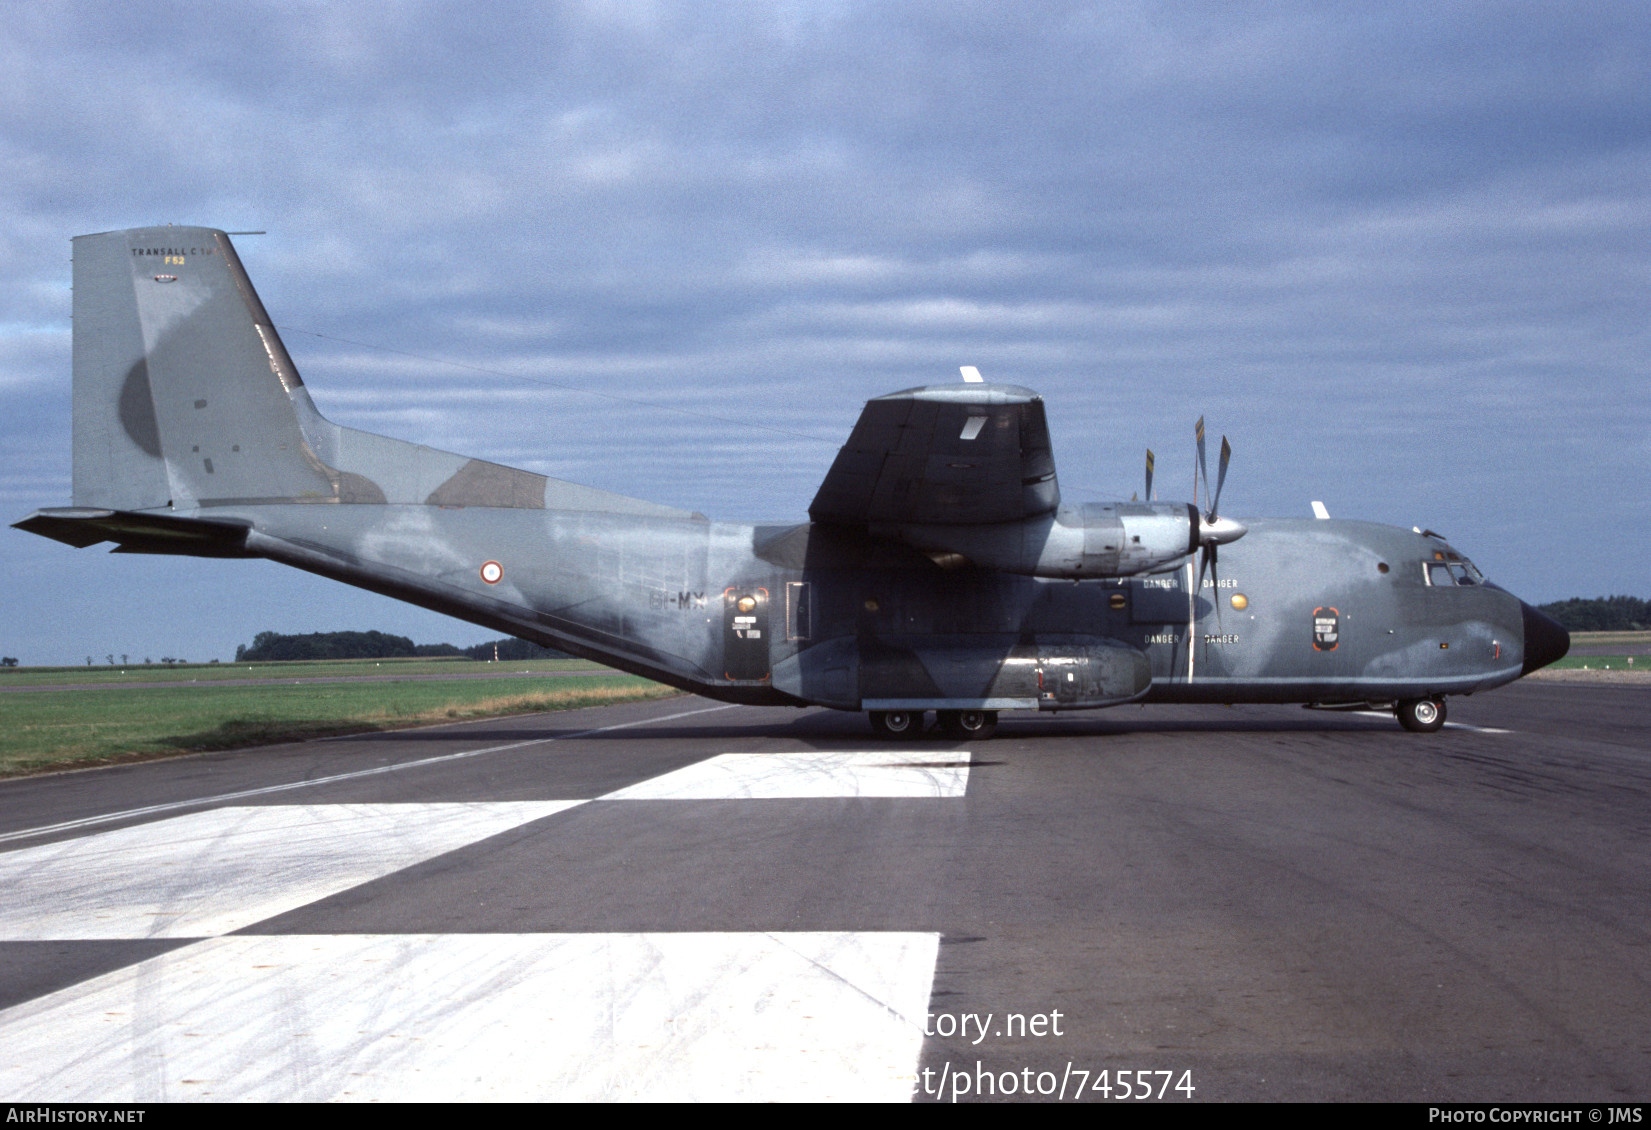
(1397, 252)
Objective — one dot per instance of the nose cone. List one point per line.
(1545, 639)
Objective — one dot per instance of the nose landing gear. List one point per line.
(1421, 715)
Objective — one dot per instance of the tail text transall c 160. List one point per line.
(935, 572)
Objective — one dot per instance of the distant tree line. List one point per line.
(273, 646)
(514, 650)
(1602, 614)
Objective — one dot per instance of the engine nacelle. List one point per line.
(1098, 539)
(1121, 539)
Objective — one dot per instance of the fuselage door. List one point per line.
(745, 634)
(799, 610)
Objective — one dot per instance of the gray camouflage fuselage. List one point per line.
(659, 596)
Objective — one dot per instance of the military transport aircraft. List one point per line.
(939, 569)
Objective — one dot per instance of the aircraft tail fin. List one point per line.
(183, 392)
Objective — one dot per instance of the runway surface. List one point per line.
(680, 899)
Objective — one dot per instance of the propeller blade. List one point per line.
(1203, 471)
(1149, 474)
(1220, 475)
(1213, 530)
(1215, 581)
(1211, 560)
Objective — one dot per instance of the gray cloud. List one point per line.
(1398, 252)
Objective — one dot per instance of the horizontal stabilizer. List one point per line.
(139, 533)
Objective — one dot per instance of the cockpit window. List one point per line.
(1449, 568)
(1462, 573)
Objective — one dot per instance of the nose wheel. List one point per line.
(1421, 715)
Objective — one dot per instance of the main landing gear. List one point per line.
(900, 724)
(957, 725)
(1421, 715)
(968, 725)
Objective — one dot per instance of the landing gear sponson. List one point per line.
(1418, 715)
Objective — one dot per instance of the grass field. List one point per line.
(1609, 639)
(50, 730)
(1604, 662)
(303, 669)
(1619, 662)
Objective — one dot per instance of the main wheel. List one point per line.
(901, 724)
(1421, 715)
(968, 725)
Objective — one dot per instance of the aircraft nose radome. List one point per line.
(1545, 639)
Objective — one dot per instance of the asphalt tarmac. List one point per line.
(685, 900)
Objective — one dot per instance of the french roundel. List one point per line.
(492, 572)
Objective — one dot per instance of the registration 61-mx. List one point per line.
(1125, 1083)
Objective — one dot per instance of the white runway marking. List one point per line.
(267, 790)
(779, 776)
(217, 871)
(763, 1017)
(1447, 725)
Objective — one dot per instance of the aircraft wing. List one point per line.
(943, 455)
